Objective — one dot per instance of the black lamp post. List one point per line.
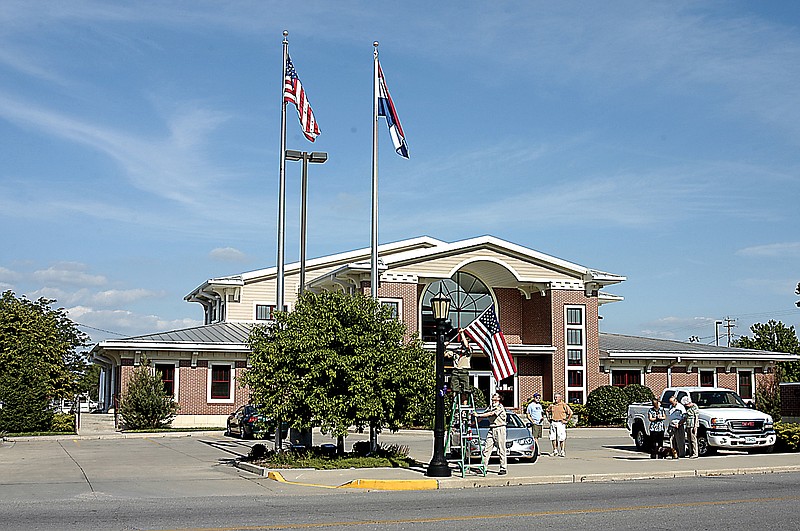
(438, 466)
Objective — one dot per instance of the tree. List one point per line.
(337, 361)
(39, 361)
(145, 403)
(775, 337)
(797, 292)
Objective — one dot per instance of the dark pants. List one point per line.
(656, 440)
(677, 439)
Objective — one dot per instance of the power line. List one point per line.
(100, 330)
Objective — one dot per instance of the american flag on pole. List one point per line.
(386, 108)
(293, 93)
(485, 330)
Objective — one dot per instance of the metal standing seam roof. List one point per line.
(218, 333)
(622, 344)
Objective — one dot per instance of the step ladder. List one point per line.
(463, 435)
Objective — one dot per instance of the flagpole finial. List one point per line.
(375, 44)
(285, 34)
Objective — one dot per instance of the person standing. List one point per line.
(656, 415)
(692, 424)
(535, 415)
(559, 414)
(496, 437)
(677, 418)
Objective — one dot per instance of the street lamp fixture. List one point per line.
(438, 467)
(315, 157)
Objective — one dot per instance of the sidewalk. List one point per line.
(614, 461)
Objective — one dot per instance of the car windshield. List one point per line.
(727, 399)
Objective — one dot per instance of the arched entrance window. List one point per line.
(469, 298)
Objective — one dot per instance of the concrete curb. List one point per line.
(464, 483)
(117, 435)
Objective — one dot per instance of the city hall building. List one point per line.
(547, 308)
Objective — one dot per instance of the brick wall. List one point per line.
(509, 304)
(537, 326)
(728, 380)
(534, 377)
(790, 402)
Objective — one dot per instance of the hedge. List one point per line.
(788, 436)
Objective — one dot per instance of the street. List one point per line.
(189, 483)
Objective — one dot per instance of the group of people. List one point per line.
(669, 428)
(558, 414)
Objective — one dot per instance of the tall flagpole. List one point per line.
(282, 185)
(374, 260)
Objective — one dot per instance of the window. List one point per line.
(746, 385)
(575, 397)
(469, 297)
(574, 336)
(625, 377)
(575, 316)
(167, 372)
(575, 378)
(707, 378)
(575, 357)
(395, 305)
(220, 387)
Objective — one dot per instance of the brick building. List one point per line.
(547, 308)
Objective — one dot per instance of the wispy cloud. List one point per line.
(227, 254)
(772, 250)
(68, 273)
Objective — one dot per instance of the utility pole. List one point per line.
(729, 324)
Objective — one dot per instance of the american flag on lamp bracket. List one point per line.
(293, 92)
(485, 330)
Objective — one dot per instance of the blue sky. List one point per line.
(655, 140)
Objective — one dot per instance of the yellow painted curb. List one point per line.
(371, 484)
(392, 484)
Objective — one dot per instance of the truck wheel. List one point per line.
(703, 448)
(641, 439)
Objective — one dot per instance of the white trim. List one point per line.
(752, 383)
(567, 367)
(232, 391)
(176, 378)
(713, 370)
(394, 300)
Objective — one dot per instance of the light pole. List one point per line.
(438, 466)
(316, 157)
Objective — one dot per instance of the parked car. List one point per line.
(725, 421)
(247, 423)
(519, 443)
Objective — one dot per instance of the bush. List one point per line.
(788, 436)
(607, 405)
(25, 402)
(636, 393)
(145, 404)
(63, 422)
(768, 397)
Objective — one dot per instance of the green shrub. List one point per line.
(63, 422)
(636, 393)
(607, 405)
(145, 404)
(788, 436)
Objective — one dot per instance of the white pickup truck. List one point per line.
(725, 421)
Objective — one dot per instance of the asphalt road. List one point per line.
(189, 483)
(738, 502)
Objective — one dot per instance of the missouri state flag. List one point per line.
(386, 108)
(485, 330)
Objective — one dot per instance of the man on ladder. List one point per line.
(459, 379)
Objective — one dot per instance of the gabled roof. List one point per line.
(619, 346)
